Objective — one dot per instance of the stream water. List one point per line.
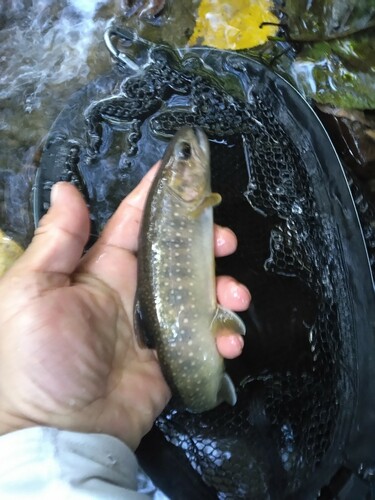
(47, 51)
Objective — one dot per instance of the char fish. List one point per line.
(176, 310)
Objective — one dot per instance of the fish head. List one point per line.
(187, 166)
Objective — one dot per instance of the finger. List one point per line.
(232, 294)
(112, 258)
(61, 235)
(123, 228)
(229, 344)
(225, 241)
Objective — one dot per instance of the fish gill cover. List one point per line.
(303, 395)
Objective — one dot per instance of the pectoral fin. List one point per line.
(211, 200)
(225, 319)
(227, 391)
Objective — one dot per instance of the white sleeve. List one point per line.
(44, 463)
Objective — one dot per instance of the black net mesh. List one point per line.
(280, 181)
(289, 256)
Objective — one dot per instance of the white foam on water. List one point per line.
(48, 45)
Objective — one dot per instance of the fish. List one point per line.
(176, 310)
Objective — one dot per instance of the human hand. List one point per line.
(68, 354)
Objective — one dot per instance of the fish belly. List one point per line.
(185, 298)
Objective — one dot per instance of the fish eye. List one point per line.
(184, 151)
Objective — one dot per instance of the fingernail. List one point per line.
(56, 188)
(240, 293)
(237, 342)
(220, 241)
(230, 345)
(222, 234)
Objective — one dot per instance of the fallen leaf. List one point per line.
(234, 25)
(9, 252)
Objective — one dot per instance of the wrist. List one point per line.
(10, 423)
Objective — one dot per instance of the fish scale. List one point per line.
(176, 296)
(186, 296)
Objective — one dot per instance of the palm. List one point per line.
(80, 358)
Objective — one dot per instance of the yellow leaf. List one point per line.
(233, 24)
(9, 252)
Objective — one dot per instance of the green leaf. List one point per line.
(310, 20)
(340, 72)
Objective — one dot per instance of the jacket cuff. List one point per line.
(37, 458)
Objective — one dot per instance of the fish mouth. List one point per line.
(202, 140)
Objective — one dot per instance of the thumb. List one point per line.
(60, 238)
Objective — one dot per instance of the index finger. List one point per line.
(123, 227)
